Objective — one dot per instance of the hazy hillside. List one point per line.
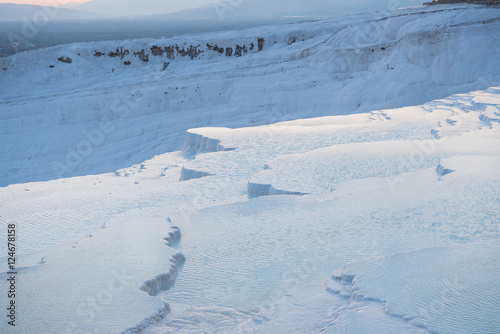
(132, 7)
(227, 9)
(11, 12)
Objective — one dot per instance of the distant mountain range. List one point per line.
(13, 12)
(244, 8)
(221, 10)
(135, 8)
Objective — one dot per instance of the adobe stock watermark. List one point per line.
(121, 108)
(423, 151)
(88, 310)
(93, 138)
(447, 294)
(49, 9)
(293, 278)
(224, 7)
(456, 120)
(214, 189)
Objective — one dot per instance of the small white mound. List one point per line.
(189, 174)
(196, 144)
(468, 166)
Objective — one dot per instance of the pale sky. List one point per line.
(43, 2)
(132, 5)
(178, 3)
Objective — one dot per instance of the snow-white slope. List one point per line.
(243, 254)
(76, 118)
(405, 200)
(288, 241)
